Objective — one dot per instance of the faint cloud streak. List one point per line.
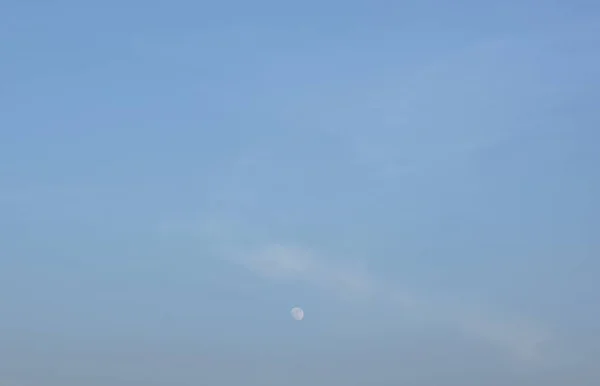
(352, 283)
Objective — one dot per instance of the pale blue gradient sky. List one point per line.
(419, 176)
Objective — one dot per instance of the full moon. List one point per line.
(297, 313)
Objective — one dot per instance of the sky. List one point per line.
(418, 176)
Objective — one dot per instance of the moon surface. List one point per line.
(297, 313)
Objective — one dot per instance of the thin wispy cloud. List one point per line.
(459, 106)
(278, 262)
(282, 262)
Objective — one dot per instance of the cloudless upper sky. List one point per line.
(420, 176)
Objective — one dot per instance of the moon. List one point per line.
(297, 313)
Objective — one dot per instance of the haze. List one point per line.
(420, 176)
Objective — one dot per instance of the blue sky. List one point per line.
(418, 176)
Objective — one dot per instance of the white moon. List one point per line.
(297, 313)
